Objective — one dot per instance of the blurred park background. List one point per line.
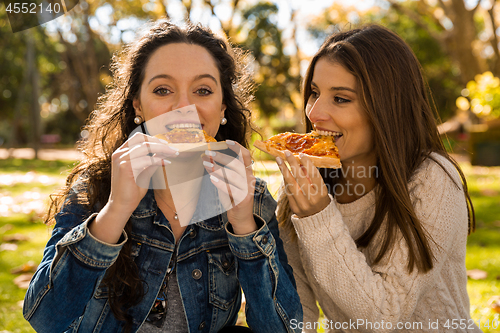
(52, 75)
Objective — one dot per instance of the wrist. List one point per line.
(244, 228)
(109, 224)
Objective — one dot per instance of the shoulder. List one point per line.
(436, 171)
(436, 187)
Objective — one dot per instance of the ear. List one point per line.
(137, 107)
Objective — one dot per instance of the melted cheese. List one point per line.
(310, 143)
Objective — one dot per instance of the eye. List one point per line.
(204, 92)
(162, 91)
(340, 100)
(314, 95)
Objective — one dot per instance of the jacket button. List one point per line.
(202, 325)
(264, 240)
(196, 274)
(192, 233)
(225, 264)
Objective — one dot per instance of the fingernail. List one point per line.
(279, 160)
(287, 153)
(301, 155)
(167, 161)
(209, 153)
(208, 164)
(215, 179)
(230, 142)
(164, 141)
(173, 148)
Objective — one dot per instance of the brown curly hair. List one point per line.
(113, 120)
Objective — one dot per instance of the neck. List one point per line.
(182, 178)
(357, 179)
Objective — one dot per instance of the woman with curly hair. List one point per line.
(119, 259)
(380, 243)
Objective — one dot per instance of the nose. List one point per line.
(182, 101)
(317, 112)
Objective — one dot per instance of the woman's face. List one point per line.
(334, 109)
(178, 75)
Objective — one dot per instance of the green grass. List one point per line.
(11, 318)
(483, 249)
(52, 168)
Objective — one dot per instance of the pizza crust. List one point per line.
(318, 161)
(196, 146)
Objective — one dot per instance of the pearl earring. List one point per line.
(223, 121)
(137, 120)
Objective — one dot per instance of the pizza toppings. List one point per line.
(320, 148)
(312, 143)
(186, 135)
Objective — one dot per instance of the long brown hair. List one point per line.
(393, 93)
(113, 120)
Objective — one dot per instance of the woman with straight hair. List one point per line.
(119, 259)
(379, 244)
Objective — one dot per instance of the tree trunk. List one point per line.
(35, 93)
(461, 40)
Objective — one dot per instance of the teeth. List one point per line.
(184, 125)
(330, 133)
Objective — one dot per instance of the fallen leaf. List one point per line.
(23, 280)
(15, 238)
(487, 192)
(8, 247)
(24, 268)
(6, 228)
(494, 303)
(477, 274)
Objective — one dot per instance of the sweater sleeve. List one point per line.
(386, 291)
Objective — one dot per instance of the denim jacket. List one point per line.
(213, 265)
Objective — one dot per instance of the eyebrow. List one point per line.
(337, 88)
(196, 78)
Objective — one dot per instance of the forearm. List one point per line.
(109, 223)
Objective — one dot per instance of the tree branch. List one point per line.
(494, 38)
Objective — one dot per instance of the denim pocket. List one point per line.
(224, 285)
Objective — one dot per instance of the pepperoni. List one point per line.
(298, 142)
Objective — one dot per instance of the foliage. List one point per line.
(441, 74)
(466, 30)
(484, 95)
(274, 70)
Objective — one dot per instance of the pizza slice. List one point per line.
(186, 135)
(320, 149)
(191, 139)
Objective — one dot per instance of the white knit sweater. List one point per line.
(359, 296)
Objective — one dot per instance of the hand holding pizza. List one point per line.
(235, 182)
(304, 187)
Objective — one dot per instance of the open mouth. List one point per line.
(170, 127)
(336, 135)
